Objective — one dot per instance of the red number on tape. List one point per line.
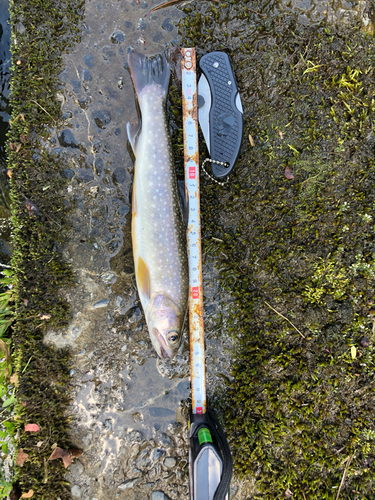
(191, 172)
(195, 292)
(199, 410)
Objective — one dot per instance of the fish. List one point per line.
(158, 228)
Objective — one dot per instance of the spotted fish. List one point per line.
(158, 229)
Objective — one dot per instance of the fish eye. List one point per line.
(172, 337)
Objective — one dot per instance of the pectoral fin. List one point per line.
(143, 278)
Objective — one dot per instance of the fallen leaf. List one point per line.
(9, 173)
(25, 302)
(39, 444)
(288, 173)
(251, 140)
(18, 148)
(53, 446)
(75, 452)
(365, 342)
(21, 457)
(11, 145)
(14, 379)
(44, 316)
(23, 138)
(288, 493)
(64, 455)
(29, 494)
(281, 135)
(32, 428)
(31, 208)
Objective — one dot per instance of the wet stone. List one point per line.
(119, 175)
(86, 75)
(157, 453)
(89, 61)
(76, 491)
(84, 102)
(142, 25)
(76, 468)
(167, 25)
(67, 139)
(76, 84)
(84, 176)
(67, 115)
(96, 146)
(98, 166)
(102, 118)
(170, 462)
(159, 495)
(128, 24)
(68, 174)
(129, 483)
(100, 304)
(134, 315)
(118, 36)
(107, 53)
(109, 277)
(165, 440)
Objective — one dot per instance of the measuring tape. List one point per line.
(191, 155)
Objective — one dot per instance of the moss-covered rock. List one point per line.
(293, 235)
(41, 31)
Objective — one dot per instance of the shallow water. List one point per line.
(129, 406)
(5, 61)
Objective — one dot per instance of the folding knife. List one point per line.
(220, 112)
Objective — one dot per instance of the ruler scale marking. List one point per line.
(191, 155)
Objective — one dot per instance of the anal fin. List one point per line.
(133, 130)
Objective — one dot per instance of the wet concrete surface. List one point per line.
(129, 408)
(128, 404)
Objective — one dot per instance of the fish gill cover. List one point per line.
(41, 29)
(292, 234)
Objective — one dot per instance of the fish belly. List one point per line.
(158, 230)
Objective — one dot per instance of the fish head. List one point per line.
(165, 320)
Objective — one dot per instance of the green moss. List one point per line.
(297, 409)
(38, 219)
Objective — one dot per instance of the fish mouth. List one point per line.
(163, 348)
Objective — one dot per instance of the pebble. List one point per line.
(109, 277)
(120, 301)
(170, 462)
(100, 303)
(67, 139)
(77, 468)
(89, 61)
(159, 495)
(118, 36)
(102, 118)
(129, 483)
(157, 453)
(76, 491)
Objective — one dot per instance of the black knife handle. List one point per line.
(226, 121)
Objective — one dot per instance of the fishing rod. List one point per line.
(220, 118)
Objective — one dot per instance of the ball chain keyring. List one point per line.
(210, 176)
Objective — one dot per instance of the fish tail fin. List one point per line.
(149, 71)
